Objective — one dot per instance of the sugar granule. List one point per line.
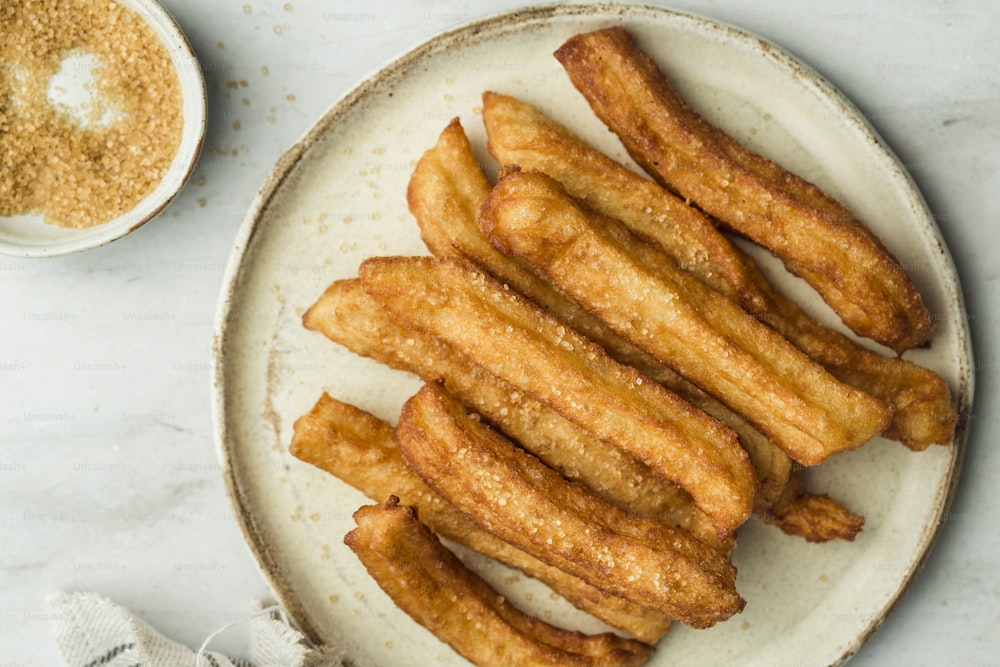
(73, 172)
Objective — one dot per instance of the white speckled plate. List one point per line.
(338, 196)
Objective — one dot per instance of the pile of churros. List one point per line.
(612, 386)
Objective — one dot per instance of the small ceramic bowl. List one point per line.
(30, 236)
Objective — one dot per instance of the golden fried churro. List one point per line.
(521, 134)
(515, 496)
(439, 592)
(686, 325)
(360, 449)
(513, 339)
(816, 237)
(349, 317)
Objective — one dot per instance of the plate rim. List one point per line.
(493, 23)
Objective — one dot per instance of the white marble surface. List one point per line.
(108, 473)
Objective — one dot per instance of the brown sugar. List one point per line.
(79, 171)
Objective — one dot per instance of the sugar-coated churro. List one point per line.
(437, 590)
(817, 237)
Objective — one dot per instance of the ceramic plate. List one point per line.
(338, 196)
(30, 236)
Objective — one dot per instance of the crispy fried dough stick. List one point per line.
(816, 237)
(515, 496)
(445, 192)
(682, 322)
(512, 338)
(349, 317)
(439, 592)
(521, 134)
(360, 449)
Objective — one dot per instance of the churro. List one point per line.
(437, 590)
(819, 239)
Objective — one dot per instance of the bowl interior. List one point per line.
(30, 236)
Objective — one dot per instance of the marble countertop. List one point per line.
(109, 480)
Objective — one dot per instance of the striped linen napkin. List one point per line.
(92, 631)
